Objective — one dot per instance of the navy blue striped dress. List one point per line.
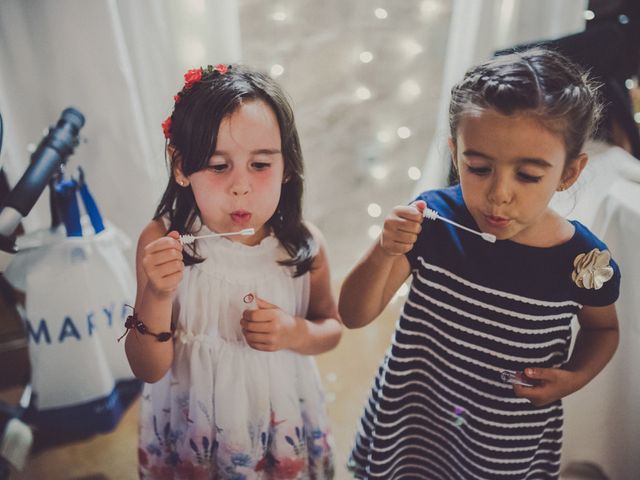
(438, 408)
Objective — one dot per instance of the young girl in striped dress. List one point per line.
(479, 313)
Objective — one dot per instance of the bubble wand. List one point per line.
(433, 215)
(187, 239)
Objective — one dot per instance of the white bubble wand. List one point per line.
(187, 239)
(433, 215)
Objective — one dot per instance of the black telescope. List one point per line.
(52, 152)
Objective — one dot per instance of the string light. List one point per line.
(366, 57)
(414, 173)
(363, 93)
(636, 117)
(404, 132)
(379, 172)
(629, 83)
(623, 19)
(276, 70)
(279, 16)
(380, 13)
(410, 47)
(589, 15)
(374, 210)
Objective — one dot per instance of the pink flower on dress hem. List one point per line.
(289, 467)
(191, 471)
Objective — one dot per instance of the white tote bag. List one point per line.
(77, 291)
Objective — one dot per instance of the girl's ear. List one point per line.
(572, 171)
(176, 162)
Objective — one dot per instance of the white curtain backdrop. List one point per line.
(120, 63)
(478, 28)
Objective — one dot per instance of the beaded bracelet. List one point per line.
(133, 322)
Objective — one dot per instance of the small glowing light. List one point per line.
(276, 70)
(636, 117)
(363, 93)
(379, 172)
(332, 377)
(629, 83)
(32, 147)
(374, 210)
(380, 13)
(589, 15)
(411, 47)
(374, 231)
(404, 132)
(623, 19)
(409, 90)
(384, 136)
(366, 57)
(414, 173)
(279, 16)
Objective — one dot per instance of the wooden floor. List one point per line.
(347, 373)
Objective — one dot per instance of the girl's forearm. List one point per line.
(312, 337)
(592, 351)
(362, 295)
(150, 359)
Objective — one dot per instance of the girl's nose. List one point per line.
(500, 191)
(240, 186)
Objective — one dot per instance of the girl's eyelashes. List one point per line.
(481, 171)
(218, 167)
(524, 177)
(529, 178)
(260, 166)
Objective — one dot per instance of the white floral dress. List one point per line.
(225, 410)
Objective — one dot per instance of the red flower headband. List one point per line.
(192, 77)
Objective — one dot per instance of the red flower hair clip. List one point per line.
(192, 77)
(166, 127)
(221, 68)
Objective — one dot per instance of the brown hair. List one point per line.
(538, 82)
(195, 122)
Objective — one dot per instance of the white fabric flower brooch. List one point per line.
(592, 270)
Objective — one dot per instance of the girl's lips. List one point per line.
(497, 221)
(240, 217)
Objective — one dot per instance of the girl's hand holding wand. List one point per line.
(551, 384)
(268, 328)
(401, 228)
(162, 263)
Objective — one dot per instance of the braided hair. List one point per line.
(538, 82)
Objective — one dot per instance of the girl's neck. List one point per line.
(552, 230)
